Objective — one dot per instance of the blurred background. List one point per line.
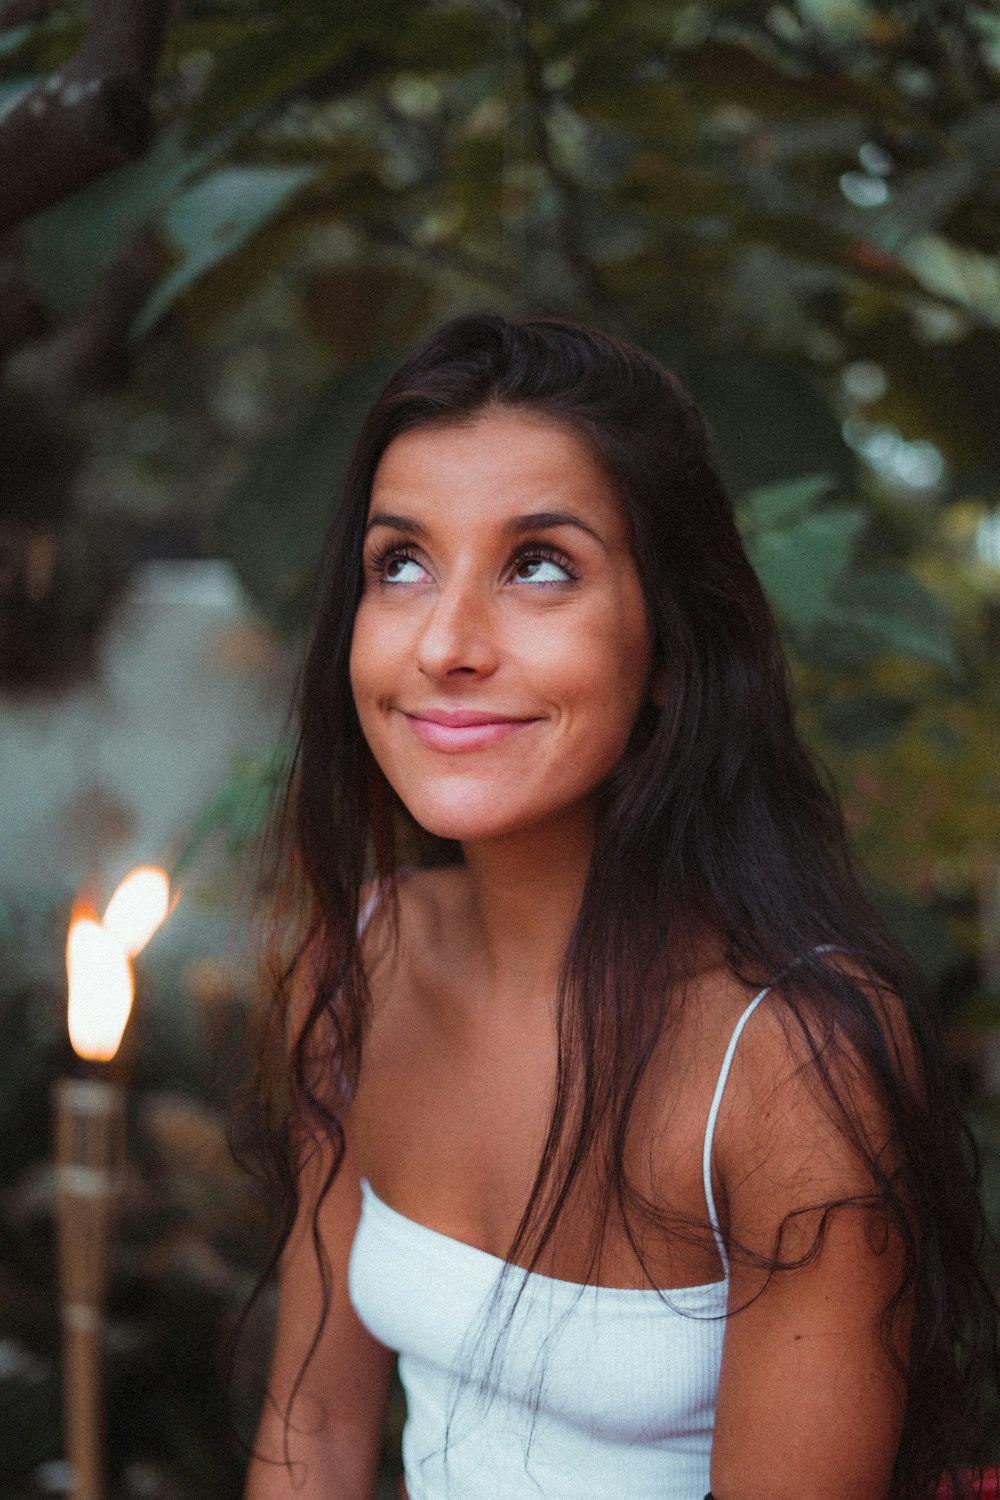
(220, 225)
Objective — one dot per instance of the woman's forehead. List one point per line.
(503, 460)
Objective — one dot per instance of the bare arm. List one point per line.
(330, 1447)
(810, 1403)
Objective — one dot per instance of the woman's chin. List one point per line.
(468, 820)
(464, 828)
(490, 819)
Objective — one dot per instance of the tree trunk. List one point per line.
(89, 116)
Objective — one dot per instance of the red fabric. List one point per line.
(990, 1489)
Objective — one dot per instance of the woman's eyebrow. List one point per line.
(539, 520)
(547, 520)
(396, 523)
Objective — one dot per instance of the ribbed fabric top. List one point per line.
(591, 1393)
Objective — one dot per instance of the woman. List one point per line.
(610, 1105)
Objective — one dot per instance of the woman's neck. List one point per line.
(525, 891)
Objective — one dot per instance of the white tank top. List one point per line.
(596, 1393)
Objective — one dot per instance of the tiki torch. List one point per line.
(90, 1149)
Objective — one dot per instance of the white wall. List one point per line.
(111, 775)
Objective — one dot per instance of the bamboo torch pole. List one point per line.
(90, 1150)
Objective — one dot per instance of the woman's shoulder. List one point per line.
(819, 1002)
(828, 1011)
(806, 1080)
(785, 1049)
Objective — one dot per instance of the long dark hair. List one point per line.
(715, 820)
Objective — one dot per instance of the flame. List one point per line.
(101, 987)
(137, 908)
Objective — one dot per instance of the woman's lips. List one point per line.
(455, 730)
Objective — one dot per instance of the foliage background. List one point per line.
(227, 219)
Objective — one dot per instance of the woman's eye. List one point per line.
(402, 569)
(541, 570)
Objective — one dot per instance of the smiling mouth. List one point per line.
(457, 730)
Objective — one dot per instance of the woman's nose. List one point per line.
(459, 633)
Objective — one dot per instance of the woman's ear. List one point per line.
(658, 687)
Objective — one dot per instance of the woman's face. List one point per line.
(501, 650)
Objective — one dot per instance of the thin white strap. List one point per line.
(706, 1155)
(720, 1088)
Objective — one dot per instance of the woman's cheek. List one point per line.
(374, 651)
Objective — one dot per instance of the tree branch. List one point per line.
(539, 99)
(88, 117)
(21, 316)
(24, 12)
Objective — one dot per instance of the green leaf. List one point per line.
(799, 566)
(272, 523)
(43, 45)
(13, 92)
(299, 49)
(926, 936)
(213, 218)
(456, 38)
(892, 612)
(12, 39)
(775, 505)
(68, 246)
(965, 276)
(865, 721)
(266, 65)
(768, 422)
